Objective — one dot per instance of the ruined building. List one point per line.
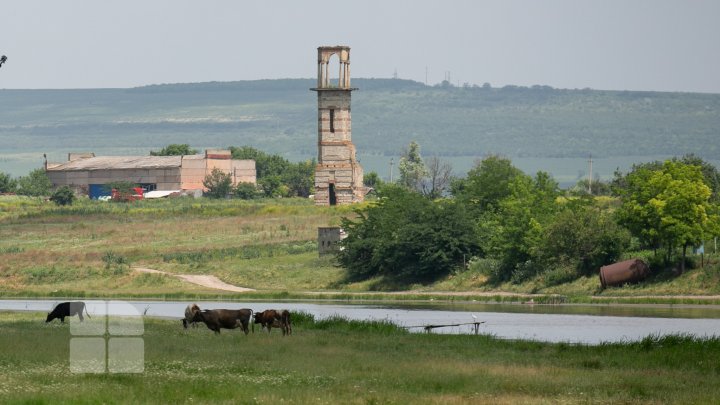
(338, 175)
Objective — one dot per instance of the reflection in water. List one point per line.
(590, 324)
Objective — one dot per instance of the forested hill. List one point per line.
(280, 116)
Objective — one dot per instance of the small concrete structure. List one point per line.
(328, 239)
(338, 174)
(88, 174)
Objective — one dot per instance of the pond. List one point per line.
(587, 324)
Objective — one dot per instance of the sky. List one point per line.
(654, 45)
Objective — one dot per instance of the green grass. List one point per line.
(90, 248)
(338, 361)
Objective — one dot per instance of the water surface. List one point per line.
(588, 324)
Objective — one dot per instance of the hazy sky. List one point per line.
(601, 44)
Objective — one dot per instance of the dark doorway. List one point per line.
(331, 192)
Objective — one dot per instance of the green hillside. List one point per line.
(278, 116)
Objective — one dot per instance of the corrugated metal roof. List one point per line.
(120, 162)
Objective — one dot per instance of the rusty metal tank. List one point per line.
(627, 271)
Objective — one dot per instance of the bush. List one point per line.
(560, 275)
(407, 238)
(524, 271)
(218, 184)
(113, 259)
(63, 196)
(246, 191)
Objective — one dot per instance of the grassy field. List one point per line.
(337, 361)
(91, 248)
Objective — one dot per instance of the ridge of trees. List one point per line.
(278, 116)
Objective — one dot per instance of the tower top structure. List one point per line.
(325, 54)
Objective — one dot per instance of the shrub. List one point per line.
(218, 184)
(246, 191)
(118, 262)
(63, 196)
(560, 275)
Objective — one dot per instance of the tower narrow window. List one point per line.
(332, 198)
(332, 120)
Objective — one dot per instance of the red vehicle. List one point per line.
(136, 194)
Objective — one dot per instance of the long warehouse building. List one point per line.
(89, 175)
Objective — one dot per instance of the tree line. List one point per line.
(515, 227)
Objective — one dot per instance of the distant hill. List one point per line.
(279, 116)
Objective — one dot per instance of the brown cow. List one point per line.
(272, 318)
(215, 319)
(190, 314)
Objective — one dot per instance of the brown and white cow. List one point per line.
(215, 319)
(273, 318)
(190, 314)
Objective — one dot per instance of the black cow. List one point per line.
(272, 318)
(64, 309)
(215, 319)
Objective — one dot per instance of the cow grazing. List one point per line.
(272, 318)
(215, 319)
(64, 309)
(190, 314)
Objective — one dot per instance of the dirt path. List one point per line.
(203, 280)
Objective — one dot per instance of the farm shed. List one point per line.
(88, 174)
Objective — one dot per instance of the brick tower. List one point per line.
(338, 175)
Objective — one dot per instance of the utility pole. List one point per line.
(590, 177)
(391, 167)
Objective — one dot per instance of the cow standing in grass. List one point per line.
(64, 309)
(190, 314)
(216, 319)
(273, 318)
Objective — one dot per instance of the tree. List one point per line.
(584, 237)
(265, 165)
(669, 206)
(486, 184)
(407, 238)
(277, 176)
(35, 184)
(63, 196)
(372, 180)
(711, 176)
(218, 184)
(300, 178)
(513, 232)
(175, 149)
(272, 186)
(412, 168)
(581, 188)
(439, 176)
(7, 183)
